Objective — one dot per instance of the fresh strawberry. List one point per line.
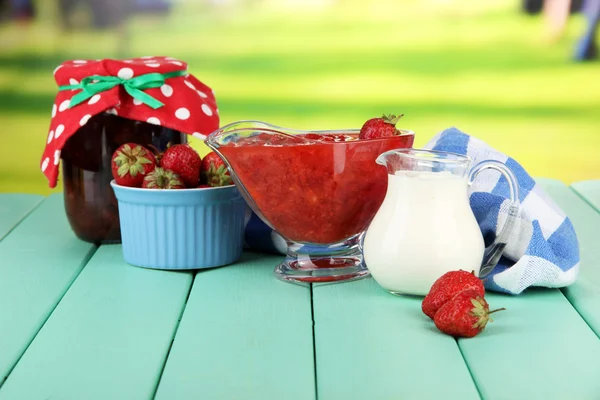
(183, 160)
(383, 126)
(162, 178)
(447, 286)
(131, 162)
(215, 171)
(465, 315)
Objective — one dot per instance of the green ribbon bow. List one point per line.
(95, 84)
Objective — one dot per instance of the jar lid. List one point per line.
(157, 90)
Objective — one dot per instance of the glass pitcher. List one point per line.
(425, 226)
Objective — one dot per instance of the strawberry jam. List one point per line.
(90, 203)
(314, 188)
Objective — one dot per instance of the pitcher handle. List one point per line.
(493, 253)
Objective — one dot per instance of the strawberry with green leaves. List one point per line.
(465, 315)
(184, 161)
(130, 163)
(447, 286)
(214, 171)
(384, 126)
(162, 178)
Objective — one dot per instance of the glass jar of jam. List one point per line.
(90, 203)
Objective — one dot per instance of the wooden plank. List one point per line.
(584, 294)
(109, 336)
(39, 260)
(539, 348)
(244, 335)
(15, 207)
(590, 191)
(373, 345)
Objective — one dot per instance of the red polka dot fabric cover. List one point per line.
(189, 105)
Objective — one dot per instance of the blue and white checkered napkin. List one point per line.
(543, 249)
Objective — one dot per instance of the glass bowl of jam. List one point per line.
(319, 190)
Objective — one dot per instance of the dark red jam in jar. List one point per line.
(90, 203)
(151, 101)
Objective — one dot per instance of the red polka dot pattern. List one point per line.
(189, 105)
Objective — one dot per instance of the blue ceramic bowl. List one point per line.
(181, 229)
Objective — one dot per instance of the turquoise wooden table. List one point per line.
(77, 322)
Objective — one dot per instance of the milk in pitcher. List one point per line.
(424, 228)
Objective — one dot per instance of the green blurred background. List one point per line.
(485, 67)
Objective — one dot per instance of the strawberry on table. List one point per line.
(130, 163)
(465, 315)
(215, 171)
(447, 286)
(162, 178)
(383, 126)
(183, 160)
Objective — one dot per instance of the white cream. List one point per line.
(424, 228)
